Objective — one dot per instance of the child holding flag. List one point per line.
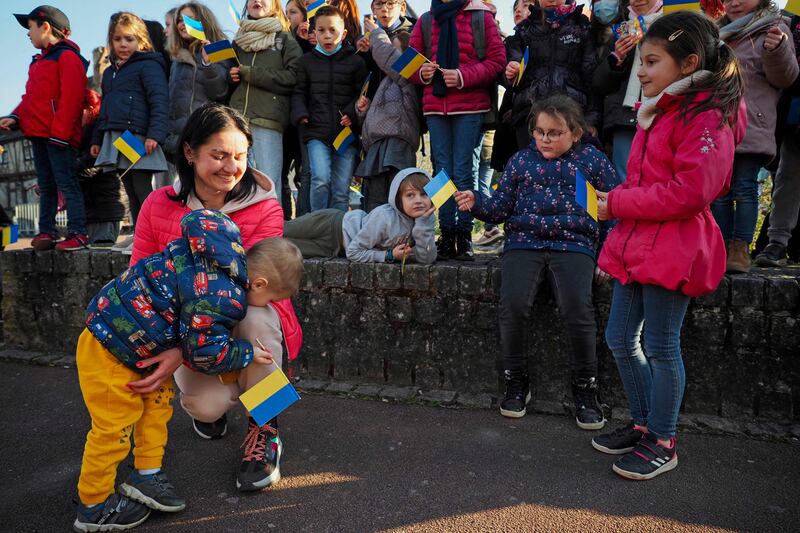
(323, 106)
(136, 99)
(548, 232)
(188, 297)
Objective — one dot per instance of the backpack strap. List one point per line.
(479, 34)
(426, 21)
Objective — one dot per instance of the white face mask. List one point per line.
(605, 11)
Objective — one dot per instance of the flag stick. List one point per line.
(126, 170)
(261, 345)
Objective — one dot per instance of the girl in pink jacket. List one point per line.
(666, 246)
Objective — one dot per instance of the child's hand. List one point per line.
(602, 205)
(304, 120)
(369, 24)
(431, 210)
(7, 123)
(312, 38)
(401, 251)
(261, 357)
(512, 69)
(150, 145)
(363, 104)
(450, 77)
(774, 38)
(168, 362)
(624, 46)
(427, 70)
(465, 200)
(363, 44)
(302, 30)
(203, 53)
(235, 77)
(600, 276)
(94, 150)
(345, 121)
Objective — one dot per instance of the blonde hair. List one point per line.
(277, 12)
(202, 14)
(134, 24)
(279, 261)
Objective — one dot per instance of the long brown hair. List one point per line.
(201, 14)
(134, 25)
(351, 16)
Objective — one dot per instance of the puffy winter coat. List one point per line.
(666, 235)
(258, 217)
(268, 79)
(477, 76)
(53, 103)
(327, 86)
(135, 98)
(561, 60)
(406, 24)
(611, 80)
(535, 197)
(191, 294)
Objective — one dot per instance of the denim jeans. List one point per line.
(303, 203)
(738, 222)
(484, 170)
(786, 192)
(266, 154)
(331, 174)
(654, 379)
(570, 275)
(453, 142)
(55, 172)
(621, 149)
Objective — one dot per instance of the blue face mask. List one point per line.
(605, 11)
(321, 50)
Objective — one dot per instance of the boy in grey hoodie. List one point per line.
(400, 229)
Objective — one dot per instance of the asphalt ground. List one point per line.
(359, 465)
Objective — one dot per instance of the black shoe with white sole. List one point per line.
(114, 514)
(647, 460)
(154, 491)
(619, 441)
(261, 461)
(518, 394)
(588, 407)
(211, 430)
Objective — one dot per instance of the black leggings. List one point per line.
(138, 185)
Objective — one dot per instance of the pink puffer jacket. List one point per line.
(258, 217)
(473, 96)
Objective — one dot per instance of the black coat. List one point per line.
(611, 81)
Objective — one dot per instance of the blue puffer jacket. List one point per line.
(135, 98)
(191, 295)
(535, 198)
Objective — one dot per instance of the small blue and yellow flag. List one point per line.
(409, 62)
(269, 397)
(194, 28)
(311, 9)
(130, 146)
(671, 6)
(440, 189)
(10, 234)
(220, 51)
(343, 141)
(522, 65)
(365, 86)
(235, 15)
(585, 194)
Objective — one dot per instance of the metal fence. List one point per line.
(27, 216)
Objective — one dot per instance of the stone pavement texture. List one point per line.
(358, 465)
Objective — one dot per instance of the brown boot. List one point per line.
(739, 258)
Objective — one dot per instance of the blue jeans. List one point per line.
(484, 176)
(266, 154)
(453, 142)
(55, 172)
(331, 173)
(621, 149)
(654, 382)
(739, 222)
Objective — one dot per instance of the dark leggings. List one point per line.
(138, 185)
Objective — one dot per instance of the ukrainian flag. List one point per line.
(237, 18)
(522, 65)
(10, 234)
(671, 6)
(440, 189)
(585, 194)
(269, 397)
(220, 51)
(130, 146)
(365, 85)
(194, 28)
(408, 62)
(311, 9)
(343, 141)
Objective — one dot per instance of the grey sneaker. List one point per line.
(261, 463)
(153, 490)
(489, 237)
(114, 514)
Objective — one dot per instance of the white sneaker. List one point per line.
(124, 245)
(489, 237)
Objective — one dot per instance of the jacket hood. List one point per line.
(145, 56)
(66, 44)
(265, 190)
(394, 188)
(215, 237)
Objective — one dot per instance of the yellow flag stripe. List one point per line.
(197, 34)
(132, 155)
(344, 134)
(264, 389)
(222, 55)
(412, 66)
(444, 194)
(692, 6)
(591, 200)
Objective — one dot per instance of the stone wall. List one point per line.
(435, 328)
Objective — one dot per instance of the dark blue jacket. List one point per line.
(191, 295)
(135, 98)
(535, 198)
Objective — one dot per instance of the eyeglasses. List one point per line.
(381, 5)
(553, 135)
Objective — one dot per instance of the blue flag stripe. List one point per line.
(580, 189)
(217, 46)
(133, 142)
(272, 406)
(439, 181)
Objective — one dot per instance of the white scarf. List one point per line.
(647, 113)
(633, 92)
(257, 35)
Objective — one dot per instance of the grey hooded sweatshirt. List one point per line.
(367, 236)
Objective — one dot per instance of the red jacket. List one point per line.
(159, 223)
(52, 106)
(477, 76)
(666, 235)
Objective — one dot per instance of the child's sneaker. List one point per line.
(647, 460)
(588, 408)
(154, 491)
(619, 441)
(76, 241)
(43, 241)
(211, 430)
(261, 464)
(518, 394)
(114, 514)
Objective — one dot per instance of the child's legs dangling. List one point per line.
(341, 175)
(664, 311)
(623, 335)
(442, 138)
(320, 158)
(138, 186)
(466, 139)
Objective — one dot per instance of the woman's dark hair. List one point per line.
(201, 125)
(684, 33)
(559, 105)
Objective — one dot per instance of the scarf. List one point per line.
(633, 92)
(556, 15)
(447, 46)
(649, 109)
(257, 35)
(322, 51)
(749, 24)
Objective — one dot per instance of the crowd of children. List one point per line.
(686, 106)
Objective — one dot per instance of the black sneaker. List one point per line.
(647, 460)
(464, 246)
(772, 255)
(153, 490)
(518, 394)
(211, 430)
(114, 514)
(588, 408)
(619, 441)
(261, 463)
(446, 245)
